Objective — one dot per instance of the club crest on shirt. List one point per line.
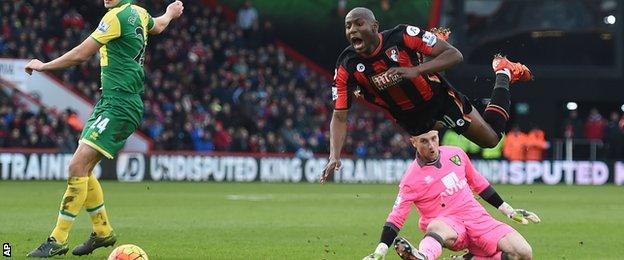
(456, 160)
(393, 53)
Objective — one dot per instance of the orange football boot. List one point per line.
(518, 71)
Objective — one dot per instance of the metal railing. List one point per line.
(564, 148)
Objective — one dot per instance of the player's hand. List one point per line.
(175, 9)
(374, 256)
(33, 65)
(524, 217)
(519, 215)
(379, 253)
(403, 72)
(332, 166)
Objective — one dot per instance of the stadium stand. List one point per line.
(209, 86)
(22, 127)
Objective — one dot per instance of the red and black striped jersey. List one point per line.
(403, 46)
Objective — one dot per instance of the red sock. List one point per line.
(430, 247)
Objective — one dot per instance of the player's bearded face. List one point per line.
(360, 33)
(111, 3)
(427, 145)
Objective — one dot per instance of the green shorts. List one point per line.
(114, 119)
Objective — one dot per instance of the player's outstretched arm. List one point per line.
(174, 10)
(337, 135)
(445, 56)
(480, 185)
(388, 234)
(518, 215)
(77, 55)
(400, 211)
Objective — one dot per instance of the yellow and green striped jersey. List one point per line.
(123, 35)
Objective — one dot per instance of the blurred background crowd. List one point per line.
(217, 85)
(221, 83)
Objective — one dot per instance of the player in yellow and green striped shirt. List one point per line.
(121, 38)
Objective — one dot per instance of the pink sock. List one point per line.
(430, 247)
(497, 256)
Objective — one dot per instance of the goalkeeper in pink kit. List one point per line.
(441, 182)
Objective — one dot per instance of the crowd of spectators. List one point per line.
(21, 126)
(531, 143)
(210, 84)
(213, 83)
(607, 132)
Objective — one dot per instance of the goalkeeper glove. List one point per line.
(379, 254)
(518, 215)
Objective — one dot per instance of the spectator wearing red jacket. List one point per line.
(594, 126)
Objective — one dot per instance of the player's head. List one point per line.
(115, 3)
(361, 29)
(427, 145)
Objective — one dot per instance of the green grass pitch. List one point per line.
(296, 221)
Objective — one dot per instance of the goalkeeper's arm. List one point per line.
(388, 234)
(400, 211)
(518, 215)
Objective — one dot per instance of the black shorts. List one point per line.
(447, 106)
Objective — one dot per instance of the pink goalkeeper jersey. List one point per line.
(442, 189)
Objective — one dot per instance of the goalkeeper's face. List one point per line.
(427, 145)
(111, 3)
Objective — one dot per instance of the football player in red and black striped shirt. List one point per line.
(389, 70)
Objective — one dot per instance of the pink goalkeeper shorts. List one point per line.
(479, 234)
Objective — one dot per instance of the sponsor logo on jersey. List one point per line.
(382, 81)
(456, 160)
(453, 184)
(103, 27)
(133, 17)
(393, 53)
